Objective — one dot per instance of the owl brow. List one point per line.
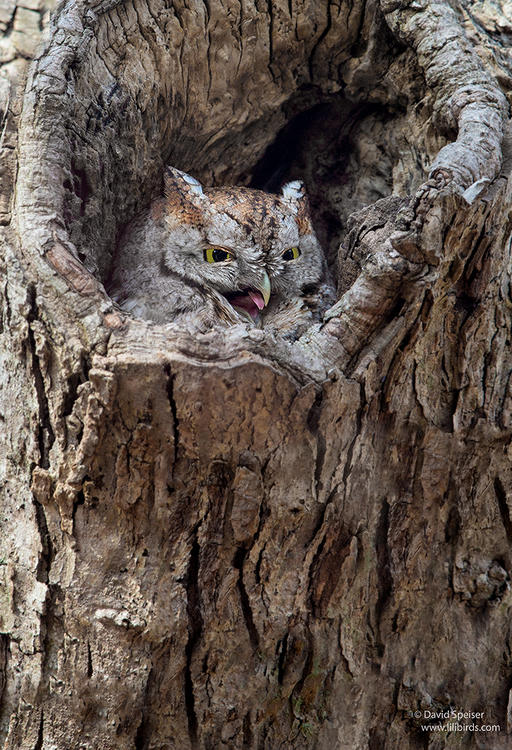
(244, 221)
(253, 222)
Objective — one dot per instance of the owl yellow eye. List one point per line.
(216, 255)
(291, 254)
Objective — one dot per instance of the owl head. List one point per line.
(254, 248)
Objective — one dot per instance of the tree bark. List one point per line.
(227, 540)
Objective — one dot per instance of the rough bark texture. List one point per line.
(227, 540)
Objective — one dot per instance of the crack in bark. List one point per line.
(4, 661)
(320, 39)
(452, 531)
(247, 737)
(7, 306)
(208, 56)
(172, 403)
(270, 40)
(264, 513)
(240, 35)
(312, 422)
(281, 656)
(142, 735)
(45, 435)
(316, 530)
(257, 568)
(325, 571)
(69, 394)
(384, 576)
(501, 497)
(90, 670)
(195, 627)
(238, 564)
(45, 558)
(361, 44)
(40, 733)
(79, 500)
(505, 392)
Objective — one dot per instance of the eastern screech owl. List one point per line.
(223, 256)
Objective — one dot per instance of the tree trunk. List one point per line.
(227, 540)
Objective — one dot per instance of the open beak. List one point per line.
(250, 301)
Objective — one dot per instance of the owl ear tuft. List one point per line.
(294, 191)
(179, 184)
(184, 197)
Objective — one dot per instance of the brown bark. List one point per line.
(228, 540)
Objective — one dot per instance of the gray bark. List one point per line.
(228, 540)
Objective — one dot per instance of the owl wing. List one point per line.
(291, 318)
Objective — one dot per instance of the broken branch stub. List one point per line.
(468, 100)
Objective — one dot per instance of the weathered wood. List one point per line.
(227, 540)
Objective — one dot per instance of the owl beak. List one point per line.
(264, 288)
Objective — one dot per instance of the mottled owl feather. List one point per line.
(221, 256)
